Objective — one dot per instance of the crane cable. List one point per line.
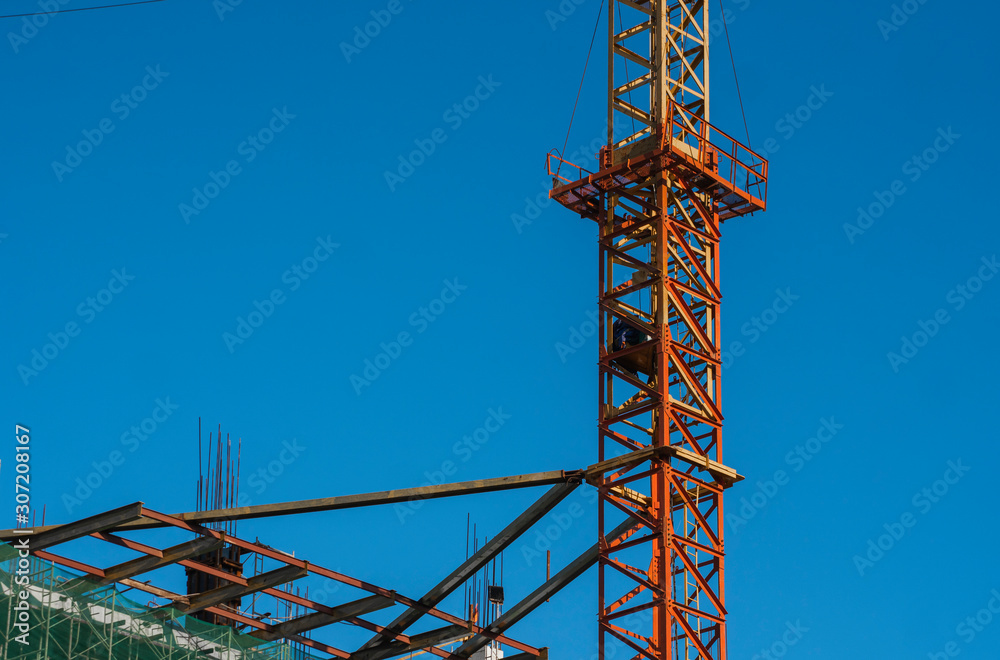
(66, 11)
(593, 38)
(600, 10)
(736, 76)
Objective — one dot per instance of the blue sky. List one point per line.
(248, 159)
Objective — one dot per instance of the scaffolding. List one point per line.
(70, 616)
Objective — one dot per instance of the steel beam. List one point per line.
(319, 619)
(720, 473)
(458, 577)
(543, 655)
(169, 556)
(155, 591)
(552, 586)
(315, 569)
(213, 597)
(50, 536)
(420, 641)
(341, 501)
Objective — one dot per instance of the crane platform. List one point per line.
(705, 159)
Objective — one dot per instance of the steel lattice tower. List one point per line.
(667, 181)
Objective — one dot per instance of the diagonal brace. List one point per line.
(458, 577)
(552, 586)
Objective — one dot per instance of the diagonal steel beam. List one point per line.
(213, 597)
(75, 530)
(319, 619)
(171, 555)
(533, 514)
(575, 569)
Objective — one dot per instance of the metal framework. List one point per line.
(388, 641)
(72, 618)
(668, 180)
(393, 640)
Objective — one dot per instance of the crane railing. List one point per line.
(728, 165)
(554, 165)
(687, 134)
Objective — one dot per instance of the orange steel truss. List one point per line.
(659, 200)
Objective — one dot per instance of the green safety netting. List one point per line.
(73, 618)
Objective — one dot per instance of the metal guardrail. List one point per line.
(693, 139)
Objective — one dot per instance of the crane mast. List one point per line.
(668, 180)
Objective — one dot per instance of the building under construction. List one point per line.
(667, 179)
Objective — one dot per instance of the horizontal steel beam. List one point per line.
(721, 473)
(334, 503)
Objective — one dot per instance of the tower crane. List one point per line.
(667, 181)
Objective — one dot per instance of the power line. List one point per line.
(66, 11)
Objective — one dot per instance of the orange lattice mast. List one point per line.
(668, 179)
